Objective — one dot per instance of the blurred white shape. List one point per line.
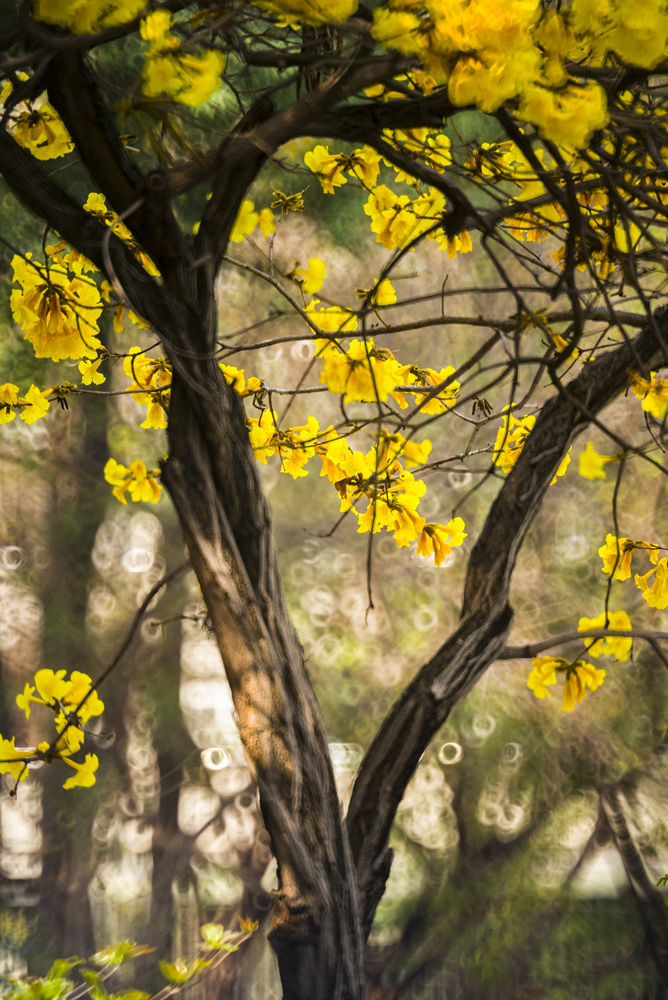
(11, 557)
(241, 826)
(450, 753)
(137, 560)
(230, 781)
(135, 836)
(208, 712)
(216, 886)
(600, 876)
(216, 758)
(197, 806)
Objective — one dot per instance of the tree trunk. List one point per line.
(211, 475)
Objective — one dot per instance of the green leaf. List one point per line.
(61, 966)
(181, 972)
(51, 988)
(96, 985)
(215, 937)
(120, 952)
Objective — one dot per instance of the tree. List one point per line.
(566, 204)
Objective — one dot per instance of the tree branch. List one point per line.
(530, 649)
(486, 615)
(74, 93)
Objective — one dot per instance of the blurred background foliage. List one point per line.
(516, 842)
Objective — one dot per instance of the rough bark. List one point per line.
(651, 905)
(212, 479)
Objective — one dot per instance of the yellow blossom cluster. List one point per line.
(141, 483)
(293, 13)
(510, 440)
(619, 647)
(391, 493)
(248, 220)
(330, 168)
(73, 702)
(396, 219)
(36, 126)
(611, 237)
(653, 392)
(172, 72)
(489, 51)
(150, 386)
(294, 445)
(363, 372)
(83, 17)
(578, 676)
(374, 486)
(57, 309)
(616, 554)
(31, 407)
(236, 377)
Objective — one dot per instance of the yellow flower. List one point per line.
(619, 648)
(653, 393)
(656, 595)
(294, 13)
(328, 167)
(9, 396)
(617, 553)
(312, 277)
(40, 130)
(392, 446)
(155, 414)
(34, 404)
(294, 445)
(591, 464)
(84, 775)
(24, 700)
(80, 687)
(263, 435)
(397, 29)
(544, 672)
(363, 372)
(58, 314)
(83, 17)
(381, 294)
(439, 539)
(51, 685)
(245, 222)
(139, 481)
(172, 73)
(334, 319)
(144, 485)
(580, 676)
(568, 116)
(510, 440)
(89, 371)
(13, 761)
(70, 737)
(267, 222)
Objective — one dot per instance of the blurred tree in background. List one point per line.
(508, 162)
